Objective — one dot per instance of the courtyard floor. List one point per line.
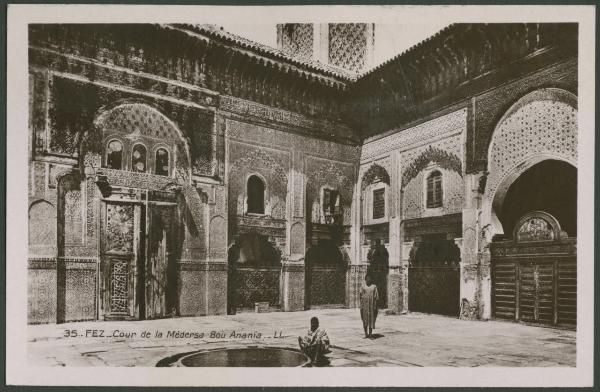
(413, 339)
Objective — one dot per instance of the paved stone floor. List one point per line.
(401, 340)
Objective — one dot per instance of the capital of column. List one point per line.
(406, 249)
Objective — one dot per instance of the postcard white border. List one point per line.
(17, 370)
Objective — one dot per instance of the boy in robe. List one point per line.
(368, 305)
(315, 343)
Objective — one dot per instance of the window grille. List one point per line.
(379, 203)
(434, 190)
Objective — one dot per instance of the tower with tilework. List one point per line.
(345, 45)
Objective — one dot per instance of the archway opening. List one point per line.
(254, 271)
(534, 270)
(378, 270)
(325, 278)
(434, 275)
(549, 186)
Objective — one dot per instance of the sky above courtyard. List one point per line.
(390, 39)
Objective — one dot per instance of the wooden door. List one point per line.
(534, 275)
(434, 288)
(326, 285)
(160, 275)
(120, 251)
(536, 299)
(434, 276)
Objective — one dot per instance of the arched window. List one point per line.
(256, 195)
(138, 158)
(114, 155)
(434, 190)
(161, 162)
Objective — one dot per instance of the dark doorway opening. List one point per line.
(325, 275)
(434, 276)
(378, 269)
(254, 272)
(549, 186)
(534, 265)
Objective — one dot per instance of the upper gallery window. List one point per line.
(331, 204)
(256, 195)
(161, 162)
(434, 190)
(138, 158)
(379, 203)
(114, 155)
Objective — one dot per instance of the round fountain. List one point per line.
(239, 357)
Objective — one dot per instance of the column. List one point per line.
(203, 272)
(292, 268)
(395, 275)
(406, 249)
(355, 269)
(472, 292)
(204, 279)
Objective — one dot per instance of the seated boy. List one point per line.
(315, 343)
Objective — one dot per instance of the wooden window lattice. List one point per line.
(434, 190)
(331, 205)
(378, 203)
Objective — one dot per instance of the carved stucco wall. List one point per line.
(42, 228)
(441, 155)
(71, 211)
(421, 134)
(64, 106)
(309, 163)
(64, 207)
(286, 160)
(333, 175)
(133, 123)
(193, 219)
(272, 165)
(375, 176)
(541, 124)
(437, 143)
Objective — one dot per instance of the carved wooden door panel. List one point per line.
(161, 262)
(325, 285)
(534, 275)
(536, 294)
(120, 249)
(434, 276)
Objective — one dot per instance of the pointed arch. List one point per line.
(374, 174)
(443, 159)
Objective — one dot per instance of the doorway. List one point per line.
(254, 273)
(325, 279)
(534, 264)
(434, 276)
(139, 259)
(378, 270)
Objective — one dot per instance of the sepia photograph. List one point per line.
(346, 188)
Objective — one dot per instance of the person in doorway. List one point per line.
(315, 343)
(368, 305)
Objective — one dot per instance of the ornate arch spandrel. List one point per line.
(443, 159)
(373, 174)
(540, 125)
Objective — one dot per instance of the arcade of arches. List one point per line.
(213, 183)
